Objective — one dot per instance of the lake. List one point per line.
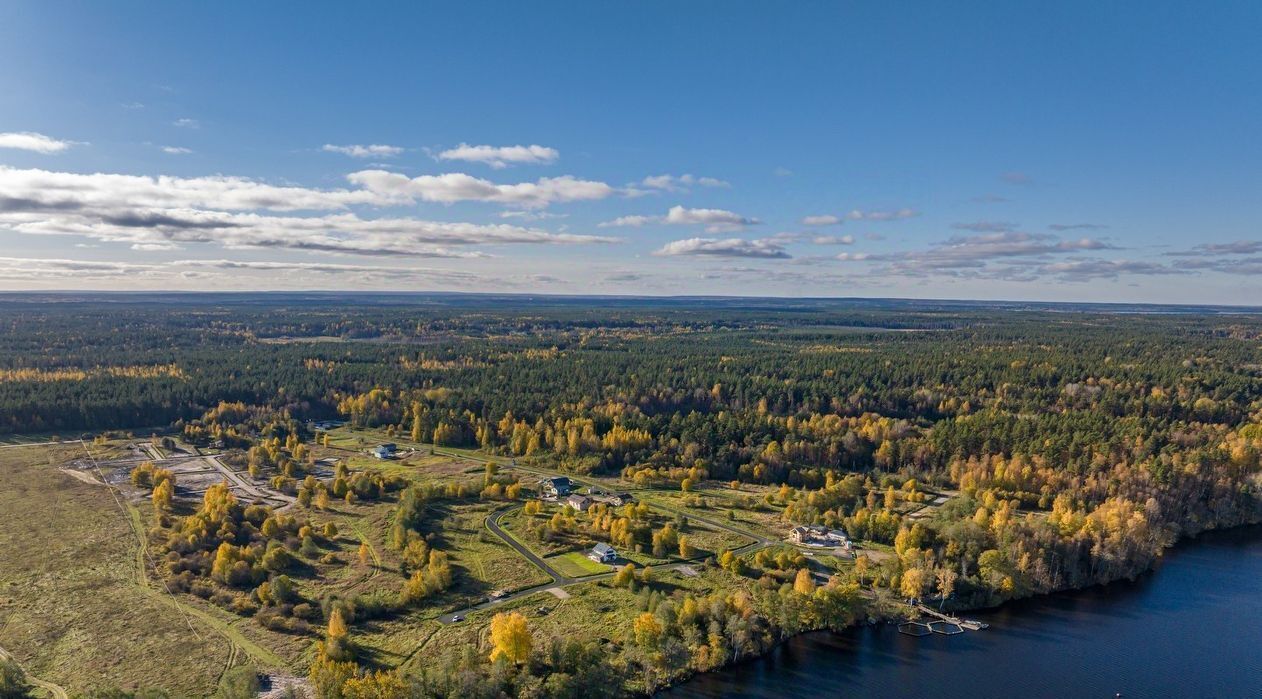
(1190, 628)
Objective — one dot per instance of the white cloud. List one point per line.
(891, 215)
(821, 220)
(175, 150)
(375, 150)
(1008, 256)
(724, 247)
(680, 183)
(1087, 270)
(1238, 247)
(791, 237)
(187, 123)
(631, 221)
(34, 142)
(455, 187)
(499, 157)
(833, 240)
(237, 213)
(62, 191)
(531, 215)
(274, 274)
(715, 220)
(1077, 226)
(986, 226)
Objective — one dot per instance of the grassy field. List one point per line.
(72, 608)
(722, 501)
(487, 563)
(576, 565)
(594, 610)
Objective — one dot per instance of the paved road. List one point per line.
(559, 581)
(493, 523)
(758, 540)
(247, 484)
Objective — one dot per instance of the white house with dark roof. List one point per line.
(555, 487)
(603, 553)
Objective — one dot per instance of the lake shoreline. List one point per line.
(1249, 533)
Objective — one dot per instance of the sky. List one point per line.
(1070, 151)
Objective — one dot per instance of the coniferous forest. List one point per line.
(1068, 445)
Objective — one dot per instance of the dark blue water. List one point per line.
(1191, 628)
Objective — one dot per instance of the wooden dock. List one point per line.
(969, 624)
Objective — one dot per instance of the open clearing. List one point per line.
(72, 609)
(576, 565)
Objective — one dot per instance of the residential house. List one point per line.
(817, 535)
(555, 487)
(579, 502)
(603, 553)
(799, 535)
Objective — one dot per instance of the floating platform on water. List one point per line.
(915, 628)
(945, 628)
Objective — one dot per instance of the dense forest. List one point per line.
(1077, 442)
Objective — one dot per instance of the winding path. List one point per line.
(558, 580)
(56, 690)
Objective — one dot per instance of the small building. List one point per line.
(603, 553)
(390, 447)
(817, 535)
(615, 499)
(382, 452)
(838, 537)
(798, 535)
(579, 502)
(555, 487)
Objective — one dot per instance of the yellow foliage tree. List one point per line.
(913, 583)
(510, 638)
(624, 576)
(686, 549)
(337, 625)
(648, 630)
(378, 685)
(163, 497)
(803, 584)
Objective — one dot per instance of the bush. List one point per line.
(238, 683)
(13, 680)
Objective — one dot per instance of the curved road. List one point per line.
(493, 523)
(559, 580)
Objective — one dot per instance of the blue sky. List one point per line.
(1051, 151)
